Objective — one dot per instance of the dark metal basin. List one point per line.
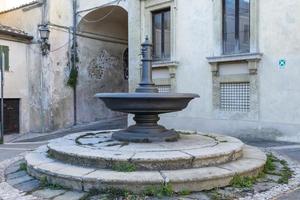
(138, 103)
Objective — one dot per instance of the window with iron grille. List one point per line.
(235, 96)
(164, 88)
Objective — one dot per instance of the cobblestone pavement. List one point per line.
(291, 150)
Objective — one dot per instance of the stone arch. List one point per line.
(102, 38)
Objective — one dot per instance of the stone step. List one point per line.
(97, 150)
(81, 178)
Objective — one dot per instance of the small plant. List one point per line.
(286, 173)
(184, 192)
(159, 191)
(242, 181)
(23, 167)
(44, 183)
(270, 165)
(215, 195)
(72, 82)
(111, 193)
(124, 167)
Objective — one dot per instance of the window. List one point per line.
(236, 26)
(4, 50)
(125, 64)
(161, 34)
(235, 96)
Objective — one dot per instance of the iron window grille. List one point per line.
(235, 96)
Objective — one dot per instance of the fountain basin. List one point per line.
(146, 107)
(152, 103)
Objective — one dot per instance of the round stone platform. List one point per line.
(85, 161)
(191, 151)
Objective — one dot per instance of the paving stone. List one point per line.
(37, 158)
(71, 195)
(12, 169)
(48, 193)
(133, 181)
(16, 174)
(19, 180)
(197, 179)
(28, 186)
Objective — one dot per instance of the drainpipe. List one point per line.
(2, 96)
(74, 54)
(42, 78)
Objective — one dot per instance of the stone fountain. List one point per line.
(150, 154)
(146, 104)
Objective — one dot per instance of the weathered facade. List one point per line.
(15, 61)
(102, 43)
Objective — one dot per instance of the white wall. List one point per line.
(16, 80)
(278, 90)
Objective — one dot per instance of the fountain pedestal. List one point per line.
(146, 130)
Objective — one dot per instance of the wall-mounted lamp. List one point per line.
(44, 36)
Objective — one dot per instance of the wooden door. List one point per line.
(11, 116)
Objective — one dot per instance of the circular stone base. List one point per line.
(190, 151)
(86, 161)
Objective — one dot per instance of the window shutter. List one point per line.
(5, 50)
(6, 58)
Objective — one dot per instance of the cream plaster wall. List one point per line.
(276, 27)
(16, 80)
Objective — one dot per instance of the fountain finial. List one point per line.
(146, 85)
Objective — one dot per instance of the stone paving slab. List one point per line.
(28, 186)
(16, 174)
(133, 181)
(19, 180)
(70, 195)
(48, 193)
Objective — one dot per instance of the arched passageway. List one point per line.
(102, 43)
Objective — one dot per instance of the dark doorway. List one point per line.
(11, 116)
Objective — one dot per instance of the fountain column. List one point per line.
(146, 85)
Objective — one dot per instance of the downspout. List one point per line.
(42, 84)
(74, 55)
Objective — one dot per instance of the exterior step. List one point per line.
(97, 150)
(195, 179)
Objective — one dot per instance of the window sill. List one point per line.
(251, 58)
(235, 58)
(164, 64)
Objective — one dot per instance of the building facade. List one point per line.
(101, 60)
(14, 60)
(240, 56)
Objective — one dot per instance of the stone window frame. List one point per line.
(253, 112)
(149, 6)
(252, 60)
